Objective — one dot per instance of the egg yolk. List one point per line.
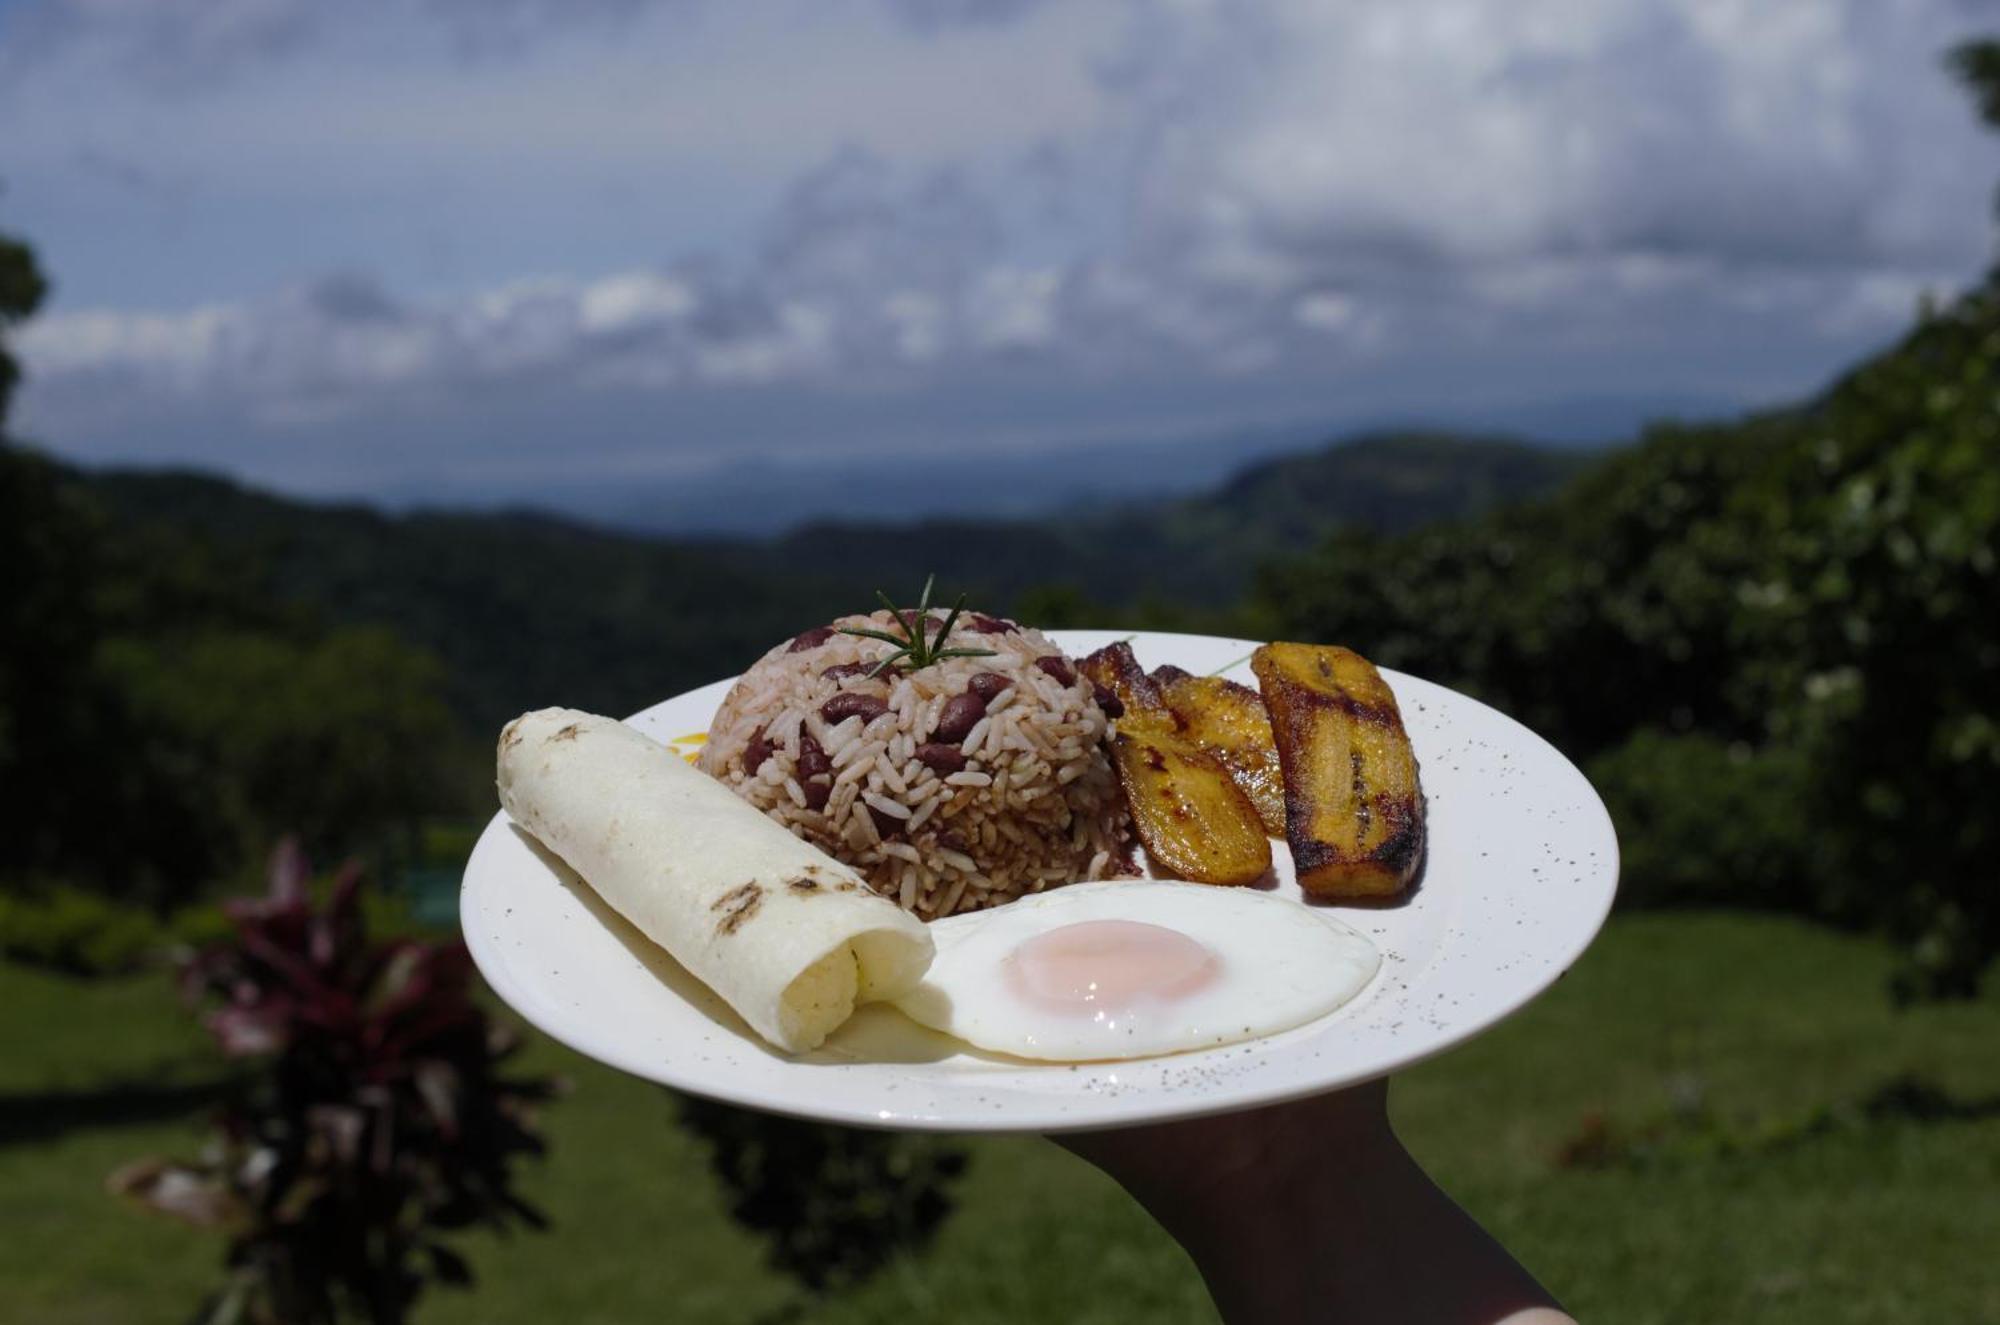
(1103, 968)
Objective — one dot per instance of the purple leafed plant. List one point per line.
(375, 1122)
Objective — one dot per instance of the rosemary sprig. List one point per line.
(915, 644)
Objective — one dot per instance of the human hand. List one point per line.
(1313, 1211)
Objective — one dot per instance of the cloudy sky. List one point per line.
(586, 251)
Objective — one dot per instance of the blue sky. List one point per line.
(479, 250)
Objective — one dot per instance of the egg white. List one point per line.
(1283, 964)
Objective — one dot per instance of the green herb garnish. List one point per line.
(915, 645)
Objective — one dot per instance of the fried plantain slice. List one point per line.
(1228, 720)
(1192, 817)
(1354, 809)
(1189, 812)
(1114, 668)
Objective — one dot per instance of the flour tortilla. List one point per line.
(788, 936)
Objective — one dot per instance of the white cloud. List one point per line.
(632, 301)
(1271, 188)
(1324, 310)
(174, 347)
(1296, 138)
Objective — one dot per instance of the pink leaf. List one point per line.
(249, 1030)
(176, 1190)
(290, 871)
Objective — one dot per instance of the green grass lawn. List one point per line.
(1728, 1060)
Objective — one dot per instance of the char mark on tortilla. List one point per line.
(737, 905)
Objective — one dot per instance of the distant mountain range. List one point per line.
(527, 609)
(761, 496)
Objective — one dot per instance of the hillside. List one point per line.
(1197, 552)
(1772, 642)
(526, 609)
(523, 610)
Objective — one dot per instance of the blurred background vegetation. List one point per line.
(1773, 643)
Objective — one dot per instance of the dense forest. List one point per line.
(1774, 642)
(525, 608)
(226, 640)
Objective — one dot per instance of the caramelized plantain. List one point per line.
(1192, 817)
(1354, 810)
(1228, 720)
(1189, 812)
(1114, 668)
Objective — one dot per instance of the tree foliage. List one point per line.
(330, 736)
(162, 716)
(1816, 587)
(22, 289)
(832, 1204)
(1977, 66)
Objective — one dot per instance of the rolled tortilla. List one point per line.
(787, 935)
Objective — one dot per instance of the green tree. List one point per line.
(1881, 615)
(1977, 65)
(55, 720)
(48, 627)
(341, 737)
(22, 289)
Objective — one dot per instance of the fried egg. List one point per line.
(1130, 969)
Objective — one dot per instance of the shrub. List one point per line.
(833, 1204)
(75, 932)
(377, 1124)
(446, 844)
(1706, 822)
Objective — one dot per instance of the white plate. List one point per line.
(1521, 869)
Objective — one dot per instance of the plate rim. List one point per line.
(1132, 1111)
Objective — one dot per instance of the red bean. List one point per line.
(991, 625)
(942, 759)
(886, 825)
(988, 684)
(853, 703)
(755, 753)
(810, 639)
(813, 760)
(812, 772)
(1057, 666)
(960, 714)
